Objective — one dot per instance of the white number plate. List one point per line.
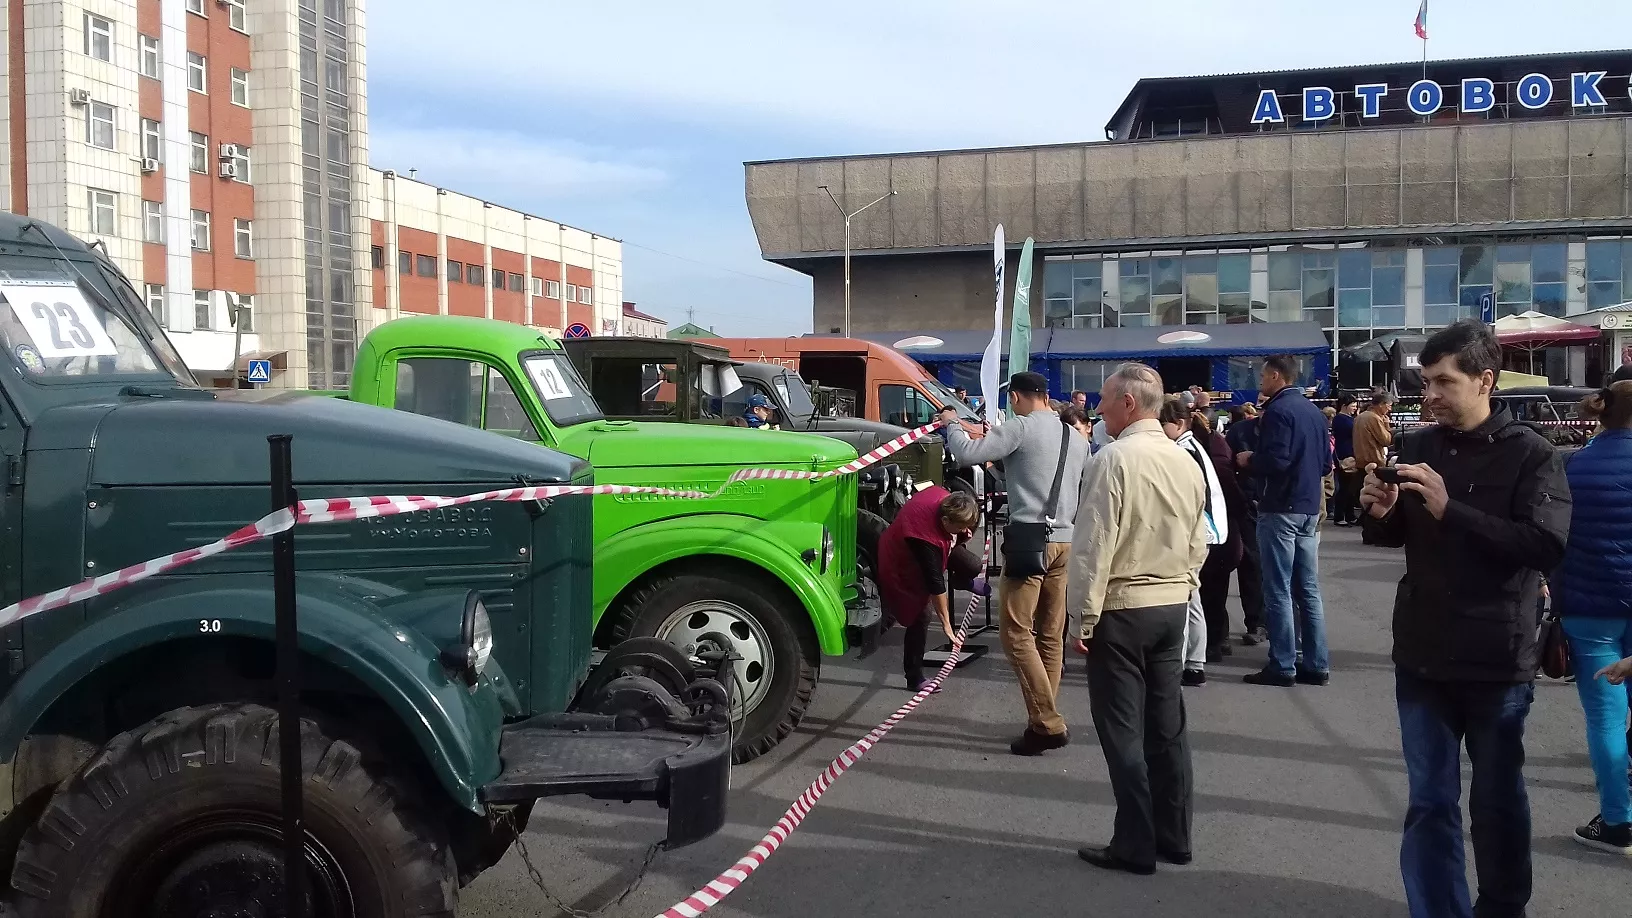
(59, 320)
(549, 379)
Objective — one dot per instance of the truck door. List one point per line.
(11, 539)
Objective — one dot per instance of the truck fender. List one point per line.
(644, 548)
(456, 728)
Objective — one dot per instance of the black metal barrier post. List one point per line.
(288, 670)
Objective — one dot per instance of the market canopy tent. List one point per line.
(1534, 329)
(1381, 347)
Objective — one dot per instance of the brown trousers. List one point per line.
(1033, 633)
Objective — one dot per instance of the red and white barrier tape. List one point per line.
(341, 509)
(715, 890)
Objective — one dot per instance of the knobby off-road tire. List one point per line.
(758, 615)
(869, 534)
(120, 826)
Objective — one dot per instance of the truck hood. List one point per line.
(206, 437)
(633, 444)
(884, 432)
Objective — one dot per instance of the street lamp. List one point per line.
(847, 217)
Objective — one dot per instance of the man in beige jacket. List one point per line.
(1140, 538)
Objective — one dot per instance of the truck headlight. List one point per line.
(828, 549)
(468, 660)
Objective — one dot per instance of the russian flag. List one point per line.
(1422, 21)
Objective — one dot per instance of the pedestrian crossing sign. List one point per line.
(260, 372)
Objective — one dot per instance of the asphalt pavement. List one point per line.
(1299, 797)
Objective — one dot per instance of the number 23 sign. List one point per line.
(59, 320)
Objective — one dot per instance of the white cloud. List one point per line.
(519, 166)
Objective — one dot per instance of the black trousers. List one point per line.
(1134, 665)
(1347, 499)
(1249, 576)
(912, 648)
(1215, 591)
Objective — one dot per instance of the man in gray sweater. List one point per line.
(1033, 608)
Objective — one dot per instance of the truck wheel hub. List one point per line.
(228, 866)
(695, 627)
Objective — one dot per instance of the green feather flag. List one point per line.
(1020, 325)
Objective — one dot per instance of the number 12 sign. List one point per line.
(59, 320)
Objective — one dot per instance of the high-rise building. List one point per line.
(218, 149)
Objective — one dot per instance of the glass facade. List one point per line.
(326, 119)
(1354, 291)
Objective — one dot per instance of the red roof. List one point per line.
(633, 313)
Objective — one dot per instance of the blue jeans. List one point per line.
(1436, 718)
(1595, 643)
(1289, 546)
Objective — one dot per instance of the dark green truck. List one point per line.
(446, 653)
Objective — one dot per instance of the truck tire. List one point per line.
(778, 672)
(182, 815)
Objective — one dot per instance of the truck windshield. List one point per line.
(795, 394)
(944, 395)
(57, 328)
(561, 390)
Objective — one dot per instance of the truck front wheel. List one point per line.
(777, 673)
(180, 818)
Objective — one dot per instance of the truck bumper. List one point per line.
(864, 617)
(681, 759)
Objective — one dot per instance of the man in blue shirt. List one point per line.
(1293, 456)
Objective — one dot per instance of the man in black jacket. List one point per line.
(1482, 508)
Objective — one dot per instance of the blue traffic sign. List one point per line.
(1487, 308)
(577, 330)
(260, 372)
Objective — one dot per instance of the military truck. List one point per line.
(445, 653)
(771, 563)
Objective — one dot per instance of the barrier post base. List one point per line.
(969, 653)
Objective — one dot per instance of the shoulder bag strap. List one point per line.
(1059, 475)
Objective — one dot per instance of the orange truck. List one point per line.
(889, 386)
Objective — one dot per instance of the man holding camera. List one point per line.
(1481, 506)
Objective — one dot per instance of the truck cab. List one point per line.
(769, 564)
(446, 653)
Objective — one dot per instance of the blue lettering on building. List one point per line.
(1319, 103)
(1478, 95)
(1426, 97)
(1268, 110)
(1584, 90)
(1371, 98)
(1535, 91)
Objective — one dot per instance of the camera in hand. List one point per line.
(1388, 474)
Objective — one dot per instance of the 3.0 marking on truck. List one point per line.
(209, 626)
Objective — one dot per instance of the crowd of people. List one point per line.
(1124, 531)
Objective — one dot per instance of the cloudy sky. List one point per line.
(633, 118)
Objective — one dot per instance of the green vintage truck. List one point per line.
(771, 563)
(446, 654)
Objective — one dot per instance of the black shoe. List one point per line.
(916, 687)
(1310, 677)
(1179, 858)
(1105, 860)
(1269, 677)
(1217, 652)
(1194, 677)
(1604, 837)
(1255, 636)
(1034, 743)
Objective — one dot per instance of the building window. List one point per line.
(585, 295)
(552, 290)
(538, 286)
(498, 279)
(203, 311)
(196, 6)
(456, 272)
(243, 238)
(473, 274)
(195, 71)
(104, 214)
(1609, 272)
(200, 161)
(98, 37)
(376, 257)
(155, 302)
(201, 231)
(245, 313)
(240, 87)
(236, 15)
(152, 140)
(405, 263)
(427, 266)
(151, 57)
(152, 222)
(572, 293)
(516, 283)
(99, 125)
